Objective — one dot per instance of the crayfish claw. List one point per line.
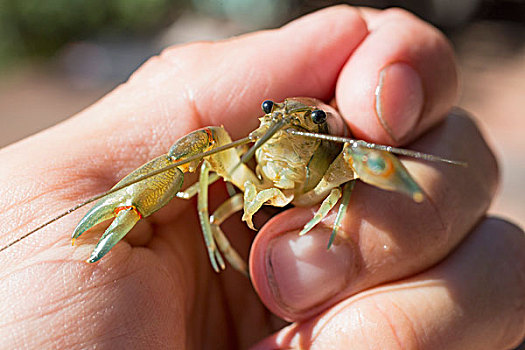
(123, 223)
(127, 205)
(99, 213)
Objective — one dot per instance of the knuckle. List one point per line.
(185, 52)
(350, 11)
(397, 13)
(177, 59)
(414, 24)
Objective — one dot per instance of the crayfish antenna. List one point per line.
(58, 217)
(233, 144)
(370, 145)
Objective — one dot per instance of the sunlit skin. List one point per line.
(458, 274)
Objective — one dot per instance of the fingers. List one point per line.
(474, 299)
(188, 87)
(184, 88)
(385, 236)
(222, 83)
(401, 79)
(191, 86)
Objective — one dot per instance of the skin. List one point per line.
(434, 275)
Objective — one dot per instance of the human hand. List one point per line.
(158, 290)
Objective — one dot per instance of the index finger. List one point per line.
(400, 81)
(185, 88)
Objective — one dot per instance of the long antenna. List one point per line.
(361, 143)
(233, 144)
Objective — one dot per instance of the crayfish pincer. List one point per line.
(303, 156)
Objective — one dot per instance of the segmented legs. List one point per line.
(143, 198)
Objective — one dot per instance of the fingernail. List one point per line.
(302, 273)
(399, 99)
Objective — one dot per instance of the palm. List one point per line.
(222, 310)
(158, 289)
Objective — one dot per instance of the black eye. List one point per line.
(318, 116)
(267, 106)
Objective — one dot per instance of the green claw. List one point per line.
(128, 205)
(102, 211)
(122, 224)
(382, 169)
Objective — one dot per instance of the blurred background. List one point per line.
(59, 56)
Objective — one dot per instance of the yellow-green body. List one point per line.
(290, 168)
